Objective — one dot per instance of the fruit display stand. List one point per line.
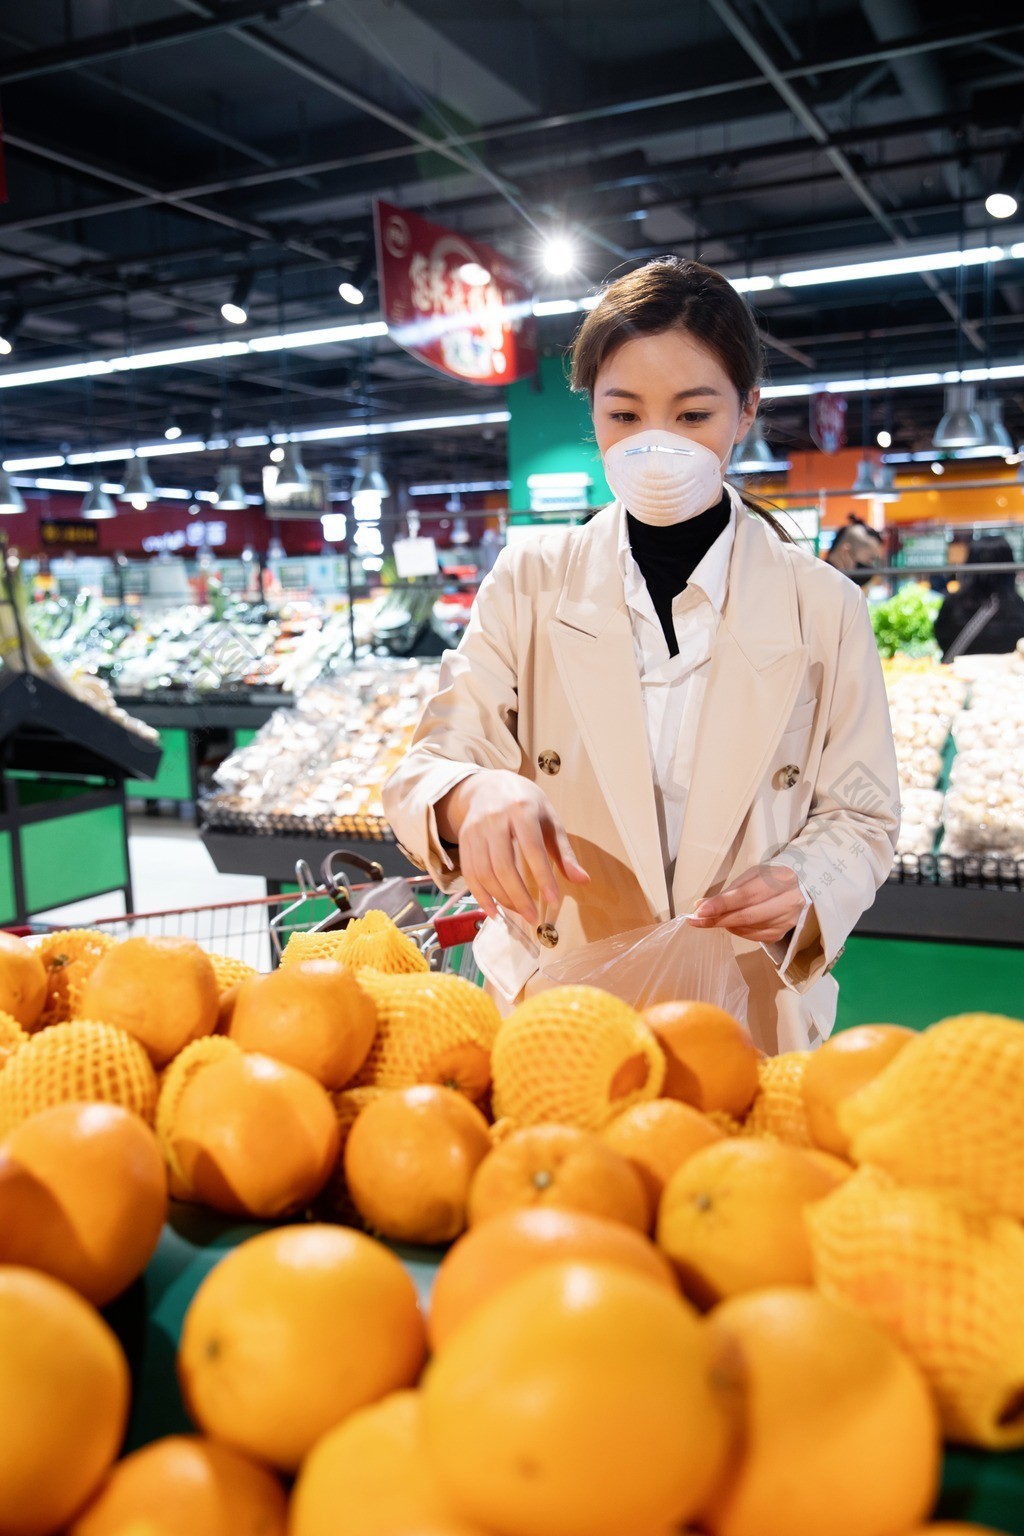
(977, 1486)
(186, 724)
(63, 770)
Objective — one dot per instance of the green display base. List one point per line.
(174, 776)
(913, 982)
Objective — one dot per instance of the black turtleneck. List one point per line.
(668, 557)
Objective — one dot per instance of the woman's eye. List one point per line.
(623, 416)
(694, 418)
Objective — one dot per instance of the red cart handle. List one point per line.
(459, 928)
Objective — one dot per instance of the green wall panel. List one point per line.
(243, 738)
(909, 981)
(70, 857)
(549, 431)
(173, 778)
(8, 901)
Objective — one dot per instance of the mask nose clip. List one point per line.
(629, 453)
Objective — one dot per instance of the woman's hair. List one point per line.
(989, 549)
(667, 294)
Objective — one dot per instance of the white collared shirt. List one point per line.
(673, 687)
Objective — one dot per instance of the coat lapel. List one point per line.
(592, 643)
(756, 669)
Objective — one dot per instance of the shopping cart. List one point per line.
(257, 930)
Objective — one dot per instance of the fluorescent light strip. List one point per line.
(101, 456)
(892, 266)
(321, 337)
(163, 450)
(260, 440)
(752, 284)
(63, 485)
(556, 306)
(51, 461)
(450, 488)
(385, 428)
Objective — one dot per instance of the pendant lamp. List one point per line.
(11, 499)
(292, 474)
(961, 426)
(229, 493)
(753, 454)
(97, 504)
(996, 436)
(864, 485)
(138, 484)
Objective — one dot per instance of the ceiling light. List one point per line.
(864, 485)
(884, 439)
(97, 503)
(996, 436)
(752, 455)
(350, 293)
(938, 468)
(1001, 205)
(292, 475)
(11, 499)
(236, 309)
(229, 492)
(559, 255)
(960, 426)
(752, 284)
(355, 283)
(138, 485)
(369, 478)
(555, 307)
(474, 274)
(892, 266)
(887, 483)
(335, 526)
(9, 328)
(276, 455)
(46, 461)
(172, 431)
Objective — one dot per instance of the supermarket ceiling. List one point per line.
(157, 150)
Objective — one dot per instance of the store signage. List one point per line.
(483, 332)
(312, 500)
(828, 420)
(192, 537)
(68, 533)
(415, 557)
(561, 491)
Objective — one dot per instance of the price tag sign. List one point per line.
(415, 557)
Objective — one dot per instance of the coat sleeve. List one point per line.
(845, 850)
(470, 725)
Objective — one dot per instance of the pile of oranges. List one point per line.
(689, 1289)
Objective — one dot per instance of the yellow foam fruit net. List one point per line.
(945, 1281)
(574, 1056)
(69, 959)
(948, 1111)
(778, 1110)
(421, 1018)
(372, 941)
(175, 1078)
(83, 1060)
(229, 972)
(12, 1037)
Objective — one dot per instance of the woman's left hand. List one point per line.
(763, 906)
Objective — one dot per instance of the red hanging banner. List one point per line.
(827, 420)
(482, 332)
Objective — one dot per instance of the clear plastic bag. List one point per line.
(660, 964)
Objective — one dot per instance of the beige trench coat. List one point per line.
(794, 759)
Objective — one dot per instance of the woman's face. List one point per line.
(669, 382)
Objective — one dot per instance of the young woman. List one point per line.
(669, 709)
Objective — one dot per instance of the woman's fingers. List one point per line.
(509, 887)
(532, 848)
(560, 847)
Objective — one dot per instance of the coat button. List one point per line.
(547, 933)
(787, 777)
(549, 762)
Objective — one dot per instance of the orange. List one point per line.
(294, 1330)
(711, 1061)
(229, 972)
(22, 981)
(573, 1056)
(657, 1138)
(843, 1064)
(501, 1249)
(578, 1401)
(732, 1218)
(69, 958)
(431, 1028)
(83, 1196)
(314, 1015)
(371, 942)
(12, 1037)
(840, 1433)
(409, 1160)
(559, 1166)
(252, 1136)
(371, 1476)
(186, 1483)
(84, 1060)
(163, 991)
(63, 1402)
(334, 1201)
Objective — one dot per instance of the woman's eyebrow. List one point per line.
(681, 394)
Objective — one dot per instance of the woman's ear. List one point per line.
(747, 414)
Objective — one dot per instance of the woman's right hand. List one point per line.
(503, 824)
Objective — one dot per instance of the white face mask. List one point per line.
(662, 477)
